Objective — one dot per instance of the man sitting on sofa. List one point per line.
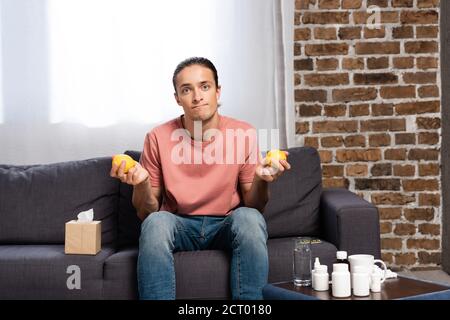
(187, 193)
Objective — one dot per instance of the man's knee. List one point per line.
(249, 221)
(158, 226)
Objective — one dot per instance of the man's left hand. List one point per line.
(269, 170)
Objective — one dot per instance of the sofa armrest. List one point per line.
(350, 222)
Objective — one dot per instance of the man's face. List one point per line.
(197, 92)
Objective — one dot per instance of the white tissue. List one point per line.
(389, 273)
(86, 216)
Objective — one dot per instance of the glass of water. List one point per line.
(302, 261)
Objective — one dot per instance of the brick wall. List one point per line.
(368, 98)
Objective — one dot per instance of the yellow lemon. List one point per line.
(275, 154)
(129, 162)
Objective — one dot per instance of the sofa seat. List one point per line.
(120, 275)
(40, 272)
(208, 276)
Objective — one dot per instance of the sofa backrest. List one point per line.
(293, 208)
(129, 225)
(37, 201)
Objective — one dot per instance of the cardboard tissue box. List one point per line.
(83, 236)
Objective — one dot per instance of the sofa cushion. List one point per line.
(129, 225)
(199, 274)
(120, 276)
(36, 201)
(41, 272)
(202, 274)
(293, 207)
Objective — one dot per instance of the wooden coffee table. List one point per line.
(392, 289)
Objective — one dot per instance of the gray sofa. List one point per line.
(36, 202)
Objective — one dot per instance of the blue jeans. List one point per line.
(243, 233)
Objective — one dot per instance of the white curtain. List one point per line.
(1, 71)
(284, 66)
(88, 78)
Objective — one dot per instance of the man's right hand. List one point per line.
(134, 176)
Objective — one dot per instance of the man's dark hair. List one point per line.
(193, 61)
